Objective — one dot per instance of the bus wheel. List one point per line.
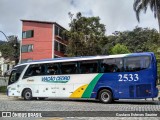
(27, 94)
(105, 96)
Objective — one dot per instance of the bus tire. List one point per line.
(27, 94)
(105, 96)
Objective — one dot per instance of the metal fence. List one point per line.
(3, 81)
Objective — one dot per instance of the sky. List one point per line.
(116, 15)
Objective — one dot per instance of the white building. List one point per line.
(5, 64)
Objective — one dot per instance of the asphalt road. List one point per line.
(70, 107)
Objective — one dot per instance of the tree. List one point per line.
(141, 5)
(8, 48)
(86, 35)
(119, 49)
(108, 44)
(137, 40)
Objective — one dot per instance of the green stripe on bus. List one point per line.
(87, 93)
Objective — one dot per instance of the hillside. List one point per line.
(1, 42)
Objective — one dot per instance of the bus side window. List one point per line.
(133, 64)
(51, 69)
(112, 65)
(102, 68)
(69, 68)
(89, 67)
(83, 69)
(34, 70)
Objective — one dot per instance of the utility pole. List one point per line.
(15, 45)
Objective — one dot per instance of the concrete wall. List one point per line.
(3, 81)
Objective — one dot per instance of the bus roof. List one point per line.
(67, 59)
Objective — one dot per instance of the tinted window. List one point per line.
(15, 74)
(132, 64)
(35, 70)
(112, 65)
(61, 33)
(69, 68)
(52, 69)
(56, 30)
(59, 47)
(56, 45)
(88, 67)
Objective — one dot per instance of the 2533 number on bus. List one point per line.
(128, 77)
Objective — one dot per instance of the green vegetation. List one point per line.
(86, 35)
(8, 49)
(119, 49)
(3, 89)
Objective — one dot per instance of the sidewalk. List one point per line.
(3, 96)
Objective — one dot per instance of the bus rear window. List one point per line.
(132, 64)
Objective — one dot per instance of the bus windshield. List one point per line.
(15, 74)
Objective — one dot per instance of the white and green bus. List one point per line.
(124, 76)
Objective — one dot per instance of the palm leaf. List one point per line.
(138, 10)
(135, 4)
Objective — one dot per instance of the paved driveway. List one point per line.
(68, 107)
